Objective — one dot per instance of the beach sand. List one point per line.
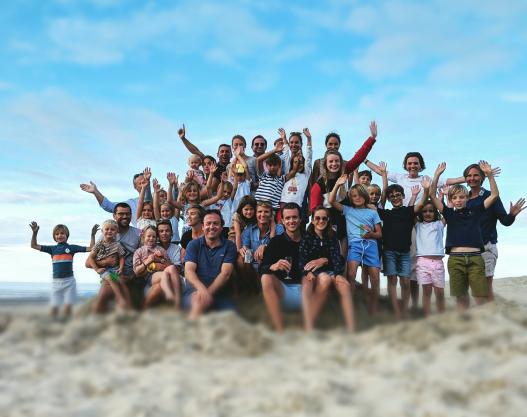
(159, 364)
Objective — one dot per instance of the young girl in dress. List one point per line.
(322, 266)
(430, 251)
(363, 227)
(151, 262)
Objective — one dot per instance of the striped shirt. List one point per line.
(104, 250)
(62, 258)
(270, 189)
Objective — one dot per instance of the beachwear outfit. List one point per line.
(363, 251)
(64, 286)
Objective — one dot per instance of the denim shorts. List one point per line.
(365, 252)
(397, 263)
(292, 299)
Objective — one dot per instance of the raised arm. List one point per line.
(188, 144)
(94, 230)
(92, 189)
(260, 160)
(214, 199)
(433, 187)
(157, 189)
(141, 200)
(425, 183)
(494, 192)
(362, 153)
(173, 183)
(333, 194)
(415, 192)
(35, 228)
(383, 169)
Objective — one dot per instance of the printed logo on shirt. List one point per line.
(67, 250)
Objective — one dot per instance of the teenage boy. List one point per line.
(464, 241)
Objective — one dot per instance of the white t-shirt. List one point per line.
(407, 183)
(295, 188)
(429, 238)
(225, 207)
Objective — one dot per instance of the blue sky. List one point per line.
(96, 89)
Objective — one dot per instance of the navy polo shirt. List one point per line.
(210, 260)
(463, 227)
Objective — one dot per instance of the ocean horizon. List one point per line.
(40, 291)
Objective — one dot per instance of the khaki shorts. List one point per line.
(490, 256)
(467, 271)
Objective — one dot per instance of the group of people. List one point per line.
(280, 224)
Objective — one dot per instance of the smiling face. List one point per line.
(333, 163)
(291, 219)
(356, 199)
(413, 166)
(60, 236)
(396, 198)
(148, 211)
(224, 154)
(109, 232)
(212, 226)
(298, 163)
(166, 211)
(263, 215)
(258, 146)
(138, 182)
(248, 211)
(207, 163)
(165, 233)
(122, 216)
(294, 144)
(459, 200)
(428, 213)
(149, 237)
(333, 143)
(320, 220)
(193, 217)
(474, 178)
(192, 193)
(365, 180)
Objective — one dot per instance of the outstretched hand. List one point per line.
(306, 132)
(89, 188)
(383, 168)
(425, 183)
(172, 178)
(147, 174)
(517, 207)
(282, 133)
(415, 189)
(440, 168)
(95, 229)
(373, 129)
(181, 132)
(486, 168)
(342, 179)
(34, 227)
(156, 185)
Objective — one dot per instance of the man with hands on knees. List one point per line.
(209, 261)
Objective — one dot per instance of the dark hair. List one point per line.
(165, 222)
(137, 175)
(303, 162)
(328, 232)
(257, 137)
(394, 188)
(414, 155)
(201, 210)
(246, 200)
(121, 204)
(437, 216)
(241, 138)
(297, 134)
(332, 135)
(214, 211)
(224, 144)
(273, 159)
(366, 173)
(467, 169)
(209, 157)
(291, 206)
(324, 169)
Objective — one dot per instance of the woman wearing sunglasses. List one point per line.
(322, 266)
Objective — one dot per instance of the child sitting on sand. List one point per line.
(64, 288)
(108, 247)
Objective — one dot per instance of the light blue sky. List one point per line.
(96, 89)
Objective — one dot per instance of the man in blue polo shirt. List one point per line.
(209, 261)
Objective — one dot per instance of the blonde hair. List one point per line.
(194, 157)
(374, 186)
(456, 189)
(110, 222)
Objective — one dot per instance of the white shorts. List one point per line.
(490, 256)
(63, 291)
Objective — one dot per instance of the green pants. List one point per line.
(467, 271)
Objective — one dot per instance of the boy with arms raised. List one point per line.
(464, 242)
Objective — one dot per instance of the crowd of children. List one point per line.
(349, 228)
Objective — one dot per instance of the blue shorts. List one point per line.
(220, 302)
(292, 299)
(397, 263)
(365, 252)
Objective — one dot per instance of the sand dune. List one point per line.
(158, 364)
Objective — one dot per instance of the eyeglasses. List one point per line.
(395, 195)
(427, 211)
(320, 219)
(259, 144)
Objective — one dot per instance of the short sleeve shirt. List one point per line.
(209, 260)
(397, 225)
(62, 258)
(407, 183)
(356, 219)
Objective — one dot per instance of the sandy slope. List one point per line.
(157, 364)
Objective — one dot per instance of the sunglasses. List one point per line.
(259, 144)
(320, 219)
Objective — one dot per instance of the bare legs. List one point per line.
(272, 293)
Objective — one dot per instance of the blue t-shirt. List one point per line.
(210, 260)
(463, 227)
(62, 258)
(357, 218)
